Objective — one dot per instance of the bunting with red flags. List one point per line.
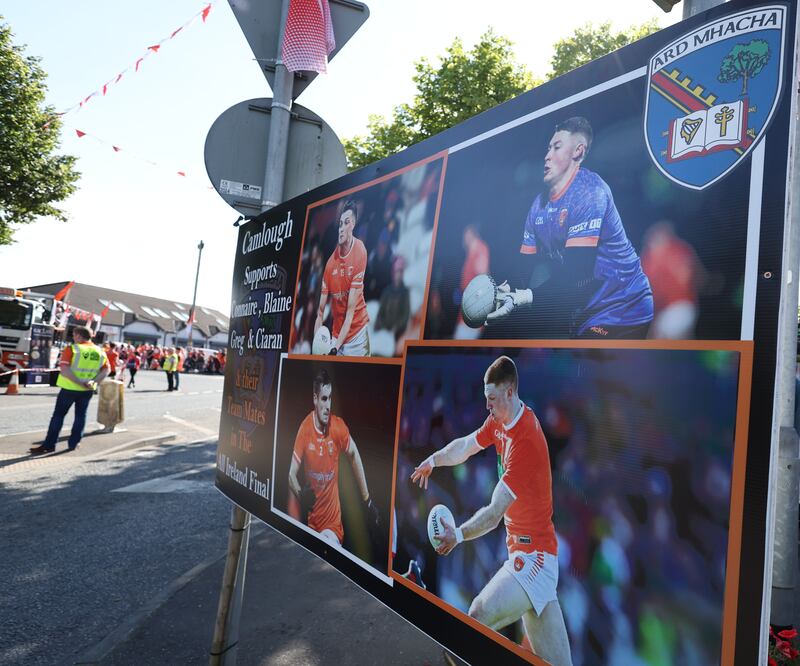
(150, 50)
(178, 172)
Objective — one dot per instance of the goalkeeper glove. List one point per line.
(372, 511)
(506, 300)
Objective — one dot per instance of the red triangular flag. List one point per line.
(116, 150)
(138, 62)
(176, 32)
(105, 89)
(104, 312)
(62, 293)
(204, 13)
(154, 48)
(119, 76)
(181, 173)
(79, 133)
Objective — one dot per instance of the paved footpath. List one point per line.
(113, 554)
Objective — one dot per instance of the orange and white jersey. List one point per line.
(524, 464)
(343, 273)
(318, 452)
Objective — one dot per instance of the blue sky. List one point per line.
(145, 220)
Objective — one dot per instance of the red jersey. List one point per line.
(476, 263)
(320, 454)
(524, 462)
(343, 273)
(671, 267)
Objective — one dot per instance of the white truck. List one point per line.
(33, 328)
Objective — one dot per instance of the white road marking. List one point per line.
(189, 424)
(172, 483)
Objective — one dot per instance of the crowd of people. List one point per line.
(127, 359)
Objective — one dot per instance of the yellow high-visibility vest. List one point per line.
(87, 359)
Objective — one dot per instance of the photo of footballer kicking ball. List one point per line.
(333, 454)
(525, 585)
(568, 502)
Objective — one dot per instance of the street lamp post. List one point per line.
(194, 296)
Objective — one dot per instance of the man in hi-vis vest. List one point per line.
(171, 368)
(83, 365)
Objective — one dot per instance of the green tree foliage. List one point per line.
(462, 84)
(465, 83)
(590, 42)
(744, 62)
(32, 177)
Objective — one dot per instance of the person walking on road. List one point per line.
(170, 367)
(132, 364)
(113, 359)
(83, 365)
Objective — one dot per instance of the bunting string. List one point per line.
(180, 173)
(103, 90)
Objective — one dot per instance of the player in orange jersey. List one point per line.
(343, 282)
(320, 439)
(525, 586)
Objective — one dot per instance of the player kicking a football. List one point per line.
(594, 281)
(525, 586)
(343, 282)
(320, 439)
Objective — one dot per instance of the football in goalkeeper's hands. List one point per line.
(478, 300)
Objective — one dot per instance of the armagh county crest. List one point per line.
(712, 93)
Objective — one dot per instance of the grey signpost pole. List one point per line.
(226, 628)
(272, 192)
(692, 7)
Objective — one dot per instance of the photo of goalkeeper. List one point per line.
(321, 438)
(525, 585)
(588, 270)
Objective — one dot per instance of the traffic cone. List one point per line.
(13, 385)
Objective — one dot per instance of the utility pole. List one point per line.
(194, 296)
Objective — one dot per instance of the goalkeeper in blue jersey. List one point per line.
(588, 277)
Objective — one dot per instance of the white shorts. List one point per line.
(358, 345)
(537, 572)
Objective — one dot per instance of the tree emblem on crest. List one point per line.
(744, 62)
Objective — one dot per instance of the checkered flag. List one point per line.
(308, 38)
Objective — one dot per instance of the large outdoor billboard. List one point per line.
(585, 280)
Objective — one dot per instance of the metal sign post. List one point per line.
(327, 153)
